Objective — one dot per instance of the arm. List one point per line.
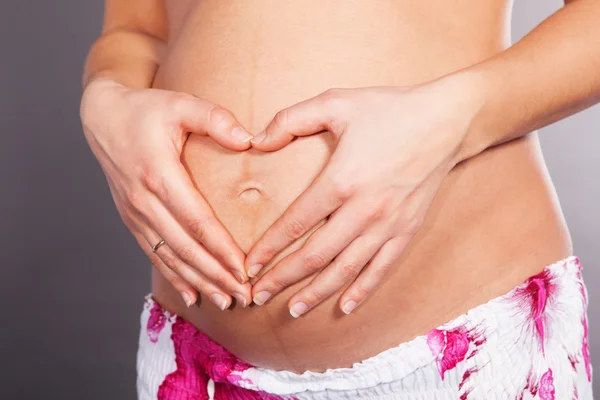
(137, 134)
(551, 73)
(134, 35)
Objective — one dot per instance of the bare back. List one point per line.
(495, 221)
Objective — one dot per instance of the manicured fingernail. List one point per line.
(240, 298)
(219, 300)
(259, 138)
(298, 309)
(349, 306)
(253, 270)
(186, 298)
(241, 135)
(261, 297)
(239, 276)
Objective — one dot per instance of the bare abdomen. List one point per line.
(494, 222)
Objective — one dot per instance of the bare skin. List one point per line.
(477, 241)
(495, 218)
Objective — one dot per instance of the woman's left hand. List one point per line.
(393, 148)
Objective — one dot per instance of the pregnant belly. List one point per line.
(466, 243)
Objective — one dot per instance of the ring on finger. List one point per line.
(157, 245)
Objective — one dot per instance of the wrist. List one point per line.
(472, 88)
(99, 91)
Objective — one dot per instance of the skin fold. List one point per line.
(400, 167)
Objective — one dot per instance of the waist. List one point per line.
(494, 222)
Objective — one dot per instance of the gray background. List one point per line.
(72, 276)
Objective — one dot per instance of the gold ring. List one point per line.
(157, 245)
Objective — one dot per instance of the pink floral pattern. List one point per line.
(526, 338)
(449, 348)
(156, 322)
(547, 386)
(199, 358)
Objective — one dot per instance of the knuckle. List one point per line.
(134, 200)
(178, 102)
(218, 116)
(349, 269)
(199, 227)
(281, 119)
(377, 211)
(176, 105)
(221, 279)
(335, 100)
(361, 292)
(277, 283)
(412, 224)
(199, 284)
(186, 253)
(155, 183)
(342, 187)
(384, 268)
(168, 259)
(316, 296)
(268, 252)
(293, 229)
(314, 260)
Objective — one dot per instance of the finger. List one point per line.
(187, 291)
(316, 253)
(320, 113)
(317, 202)
(175, 189)
(343, 270)
(189, 251)
(373, 274)
(216, 295)
(189, 274)
(205, 118)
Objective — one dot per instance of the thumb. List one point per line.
(315, 115)
(202, 117)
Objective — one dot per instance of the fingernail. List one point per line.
(298, 309)
(259, 138)
(241, 135)
(239, 276)
(261, 297)
(186, 298)
(349, 306)
(240, 298)
(219, 300)
(253, 270)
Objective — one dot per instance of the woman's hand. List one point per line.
(137, 135)
(394, 146)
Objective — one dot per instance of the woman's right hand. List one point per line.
(137, 135)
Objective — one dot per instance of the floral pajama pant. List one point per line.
(530, 343)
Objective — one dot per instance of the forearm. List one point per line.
(128, 57)
(551, 73)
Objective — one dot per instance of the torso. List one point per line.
(495, 221)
